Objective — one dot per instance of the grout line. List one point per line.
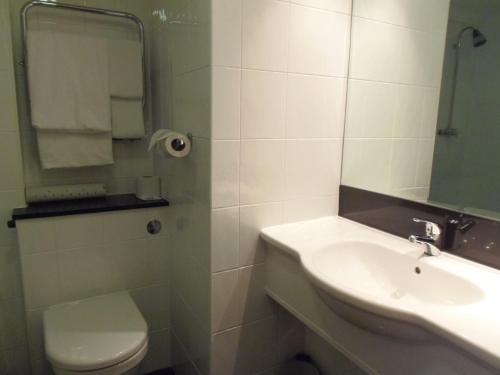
(293, 73)
(426, 87)
(432, 33)
(330, 11)
(301, 198)
(246, 324)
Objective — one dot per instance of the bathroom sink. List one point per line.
(376, 273)
(387, 285)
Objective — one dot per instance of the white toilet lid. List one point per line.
(94, 333)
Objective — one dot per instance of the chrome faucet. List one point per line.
(432, 234)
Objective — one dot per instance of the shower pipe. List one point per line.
(478, 40)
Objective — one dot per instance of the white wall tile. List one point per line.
(76, 231)
(154, 304)
(130, 267)
(263, 104)
(159, 257)
(226, 101)
(10, 274)
(225, 238)
(430, 113)
(425, 160)
(293, 97)
(252, 220)
(41, 280)
(244, 350)
(375, 50)
(255, 304)
(11, 166)
(315, 106)
(8, 114)
(75, 266)
(225, 173)
(265, 34)
(403, 166)
(425, 15)
(5, 42)
(370, 109)
(226, 32)
(158, 356)
(12, 324)
(409, 111)
(318, 42)
(310, 208)
(36, 236)
(123, 225)
(225, 300)
(262, 171)
(312, 167)
(367, 163)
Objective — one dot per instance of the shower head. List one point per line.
(478, 38)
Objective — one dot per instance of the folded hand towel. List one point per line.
(71, 150)
(68, 82)
(126, 78)
(127, 118)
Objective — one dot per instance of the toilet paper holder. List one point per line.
(179, 144)
(171, 143)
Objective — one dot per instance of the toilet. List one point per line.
(105, 335)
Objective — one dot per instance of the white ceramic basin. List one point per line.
(385, 284)
(376, 272)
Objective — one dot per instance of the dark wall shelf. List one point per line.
(82, 206)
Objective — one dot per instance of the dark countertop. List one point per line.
(82, 206)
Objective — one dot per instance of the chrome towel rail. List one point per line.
(70, 7)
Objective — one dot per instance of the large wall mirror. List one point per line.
(423, 112)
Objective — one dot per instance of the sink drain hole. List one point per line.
(418, 271)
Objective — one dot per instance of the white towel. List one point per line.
(71, 150)
(126, 78)
(127, 118)
(68, 82)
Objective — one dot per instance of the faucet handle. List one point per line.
(432, 229)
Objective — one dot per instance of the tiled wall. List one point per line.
(181, 101)
(131, 158)
(13, 347)
(75, 257)
(279, 73)
(393, 96)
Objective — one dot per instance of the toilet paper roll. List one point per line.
(170, 144)
(148, 188)
(64, 192)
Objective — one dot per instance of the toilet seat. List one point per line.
(95, 336)
(117, 369)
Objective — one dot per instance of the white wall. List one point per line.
(13, 347)
(131, 158)
(279, 73)
(181, 101)
(74, 257)
(393, 96)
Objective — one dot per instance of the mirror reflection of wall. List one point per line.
(422, 114)
(394, 83)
